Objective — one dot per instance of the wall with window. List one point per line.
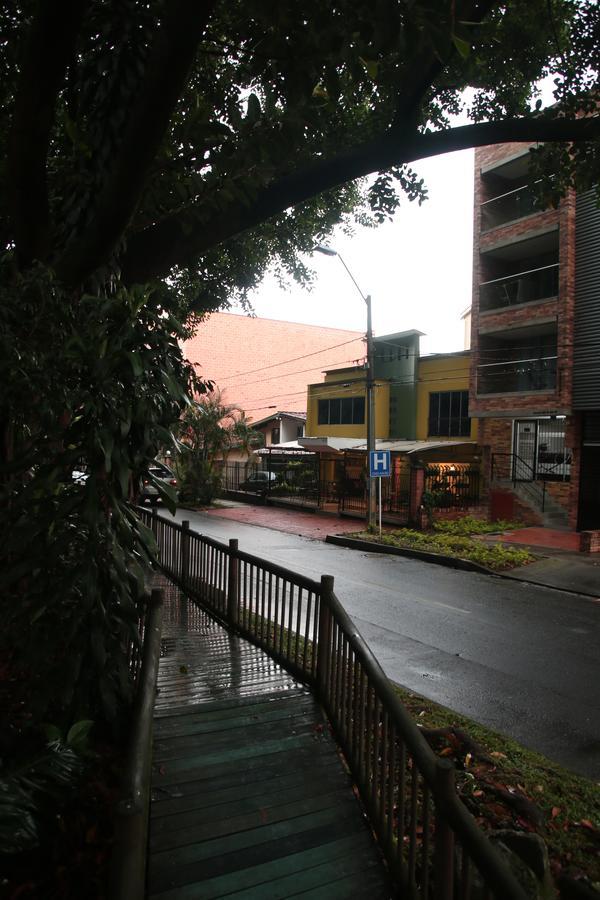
(338, 407)
(443, 398)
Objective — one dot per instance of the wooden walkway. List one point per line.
(249, 796)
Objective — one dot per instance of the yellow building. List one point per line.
(443, 398)
(337, 406)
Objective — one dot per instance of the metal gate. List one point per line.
(540, 451)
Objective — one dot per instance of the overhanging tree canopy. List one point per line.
(148, 138)
(157, 156)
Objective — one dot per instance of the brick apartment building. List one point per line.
(264, 365)
(535, 339)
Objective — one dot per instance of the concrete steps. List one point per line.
(531, 493)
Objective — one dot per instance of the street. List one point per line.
(521, 659)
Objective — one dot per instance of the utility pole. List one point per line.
(371, 500)
(370, 390)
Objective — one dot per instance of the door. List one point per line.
(589, 488)
(525, 443)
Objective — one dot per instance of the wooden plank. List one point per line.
(261, 804)
(250, 797)
(191, 833)
(205, 794)
(270, 862)
(225, 703)
(232, 844)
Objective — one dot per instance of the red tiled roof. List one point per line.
(255, 362)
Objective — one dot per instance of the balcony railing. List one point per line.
(511, 376)
(508, 207)
(534, 284)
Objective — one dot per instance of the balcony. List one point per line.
(508, 207)
(517, 376)
(525, 287)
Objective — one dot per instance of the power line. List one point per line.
(285, 361)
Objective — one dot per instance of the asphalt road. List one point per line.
(522, 659)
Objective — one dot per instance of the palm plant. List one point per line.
(209, 429)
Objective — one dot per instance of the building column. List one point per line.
(417, 486)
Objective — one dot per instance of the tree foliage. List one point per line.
(209, 429)
(157, 157)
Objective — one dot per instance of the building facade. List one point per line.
(264, 365)
(535, 324)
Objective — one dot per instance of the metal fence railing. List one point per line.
(453, 485)
(433, 846)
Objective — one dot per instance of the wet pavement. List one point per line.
(521, 658)
(558, 564)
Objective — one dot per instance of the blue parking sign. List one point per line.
(379, 463)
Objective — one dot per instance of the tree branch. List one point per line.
(181, 238)
(168, 69)
(48, 49)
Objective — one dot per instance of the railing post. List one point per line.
(184, 551)
(324, 636)
(154, 521)
(233, 583)
(444, 795)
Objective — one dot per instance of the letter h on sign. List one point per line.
(379, 463)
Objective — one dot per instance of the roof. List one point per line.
(341, 444)
(299, 417)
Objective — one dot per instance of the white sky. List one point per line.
(416, 268)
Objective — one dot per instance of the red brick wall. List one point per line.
(562, 309)
(226, 346)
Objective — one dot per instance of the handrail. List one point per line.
(506, 362)
(407, 791)
(529, 469)
(128, 865)
(523, 187)
(518, 274)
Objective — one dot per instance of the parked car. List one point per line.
(259, 482)
(149, 491)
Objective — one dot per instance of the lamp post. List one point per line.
(371, 512)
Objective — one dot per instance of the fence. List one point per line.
(433, 846)
(453, 485)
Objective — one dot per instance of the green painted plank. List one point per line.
(328, 819)
(356, 865)
(372, 883)
(206, 721)
(254, 879)
(309, 840)
(305, 753)
(202, 811)
(249, 690)
(205, 794)
(236, 755)
(229, 703)
(192, 833)
(255, 732)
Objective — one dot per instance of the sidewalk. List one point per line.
(559, 565)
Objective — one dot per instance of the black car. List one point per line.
(259, 482)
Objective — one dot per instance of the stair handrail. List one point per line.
(539, 482)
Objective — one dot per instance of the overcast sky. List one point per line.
(416, 268)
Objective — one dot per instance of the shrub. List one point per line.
(469, 525)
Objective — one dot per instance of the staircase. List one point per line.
(530, 493)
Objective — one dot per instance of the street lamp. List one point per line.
(371, 512)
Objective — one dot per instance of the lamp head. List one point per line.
(326, 250)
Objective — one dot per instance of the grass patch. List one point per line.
(495, 556)
(563, 808)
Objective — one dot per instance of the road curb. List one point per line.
(423, 555)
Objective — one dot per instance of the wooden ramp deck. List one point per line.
(250, 798)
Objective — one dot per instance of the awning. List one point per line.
(359, 444)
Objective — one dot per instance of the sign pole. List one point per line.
(379, 480)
